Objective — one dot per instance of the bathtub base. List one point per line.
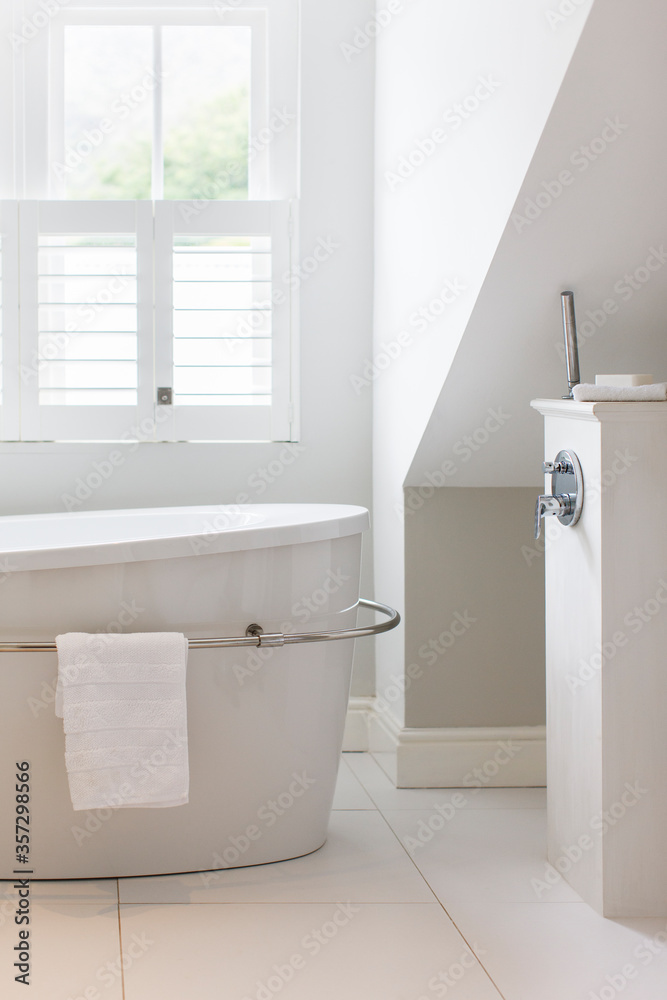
(265, 726)
(262, 772)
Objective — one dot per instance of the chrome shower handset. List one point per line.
(570, 335)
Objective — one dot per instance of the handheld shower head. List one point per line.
(570, 335)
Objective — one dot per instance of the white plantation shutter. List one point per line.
(86, 319)
(222, 313)
(114, 301)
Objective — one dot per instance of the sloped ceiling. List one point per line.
(591, 216)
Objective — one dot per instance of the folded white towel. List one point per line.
(122, 702)
(585, 392)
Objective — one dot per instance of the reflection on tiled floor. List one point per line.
(417, 894)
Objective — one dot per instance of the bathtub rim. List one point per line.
(279, 524)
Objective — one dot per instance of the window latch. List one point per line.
(164, 395)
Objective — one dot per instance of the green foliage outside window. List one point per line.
(205, 156)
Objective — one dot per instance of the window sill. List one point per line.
(82, 447)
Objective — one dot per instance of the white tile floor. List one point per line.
(377, 914)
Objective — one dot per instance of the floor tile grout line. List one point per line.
(284, 902)
(437, 900)
(445, 910)
(376, 808)
(431, 788)
(360, 783)
(120, 942)
(368, 792)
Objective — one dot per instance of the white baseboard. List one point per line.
(356, 723)
(367, 729)
(487, 757)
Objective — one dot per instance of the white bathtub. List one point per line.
(265, 725)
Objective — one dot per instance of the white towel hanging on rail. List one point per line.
(122, 702)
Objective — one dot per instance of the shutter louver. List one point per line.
(86, 319)
(223, 319)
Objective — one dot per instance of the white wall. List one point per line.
(442, 222)
(336, 322)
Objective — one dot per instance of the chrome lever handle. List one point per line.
(561, 504)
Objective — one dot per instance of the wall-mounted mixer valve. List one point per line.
(567, 491)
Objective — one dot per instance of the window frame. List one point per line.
(51, 148)
(27, 174)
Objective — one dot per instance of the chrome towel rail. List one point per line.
(255, 635)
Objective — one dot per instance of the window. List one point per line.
(147, 230)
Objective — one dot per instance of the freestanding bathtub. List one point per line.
(265, 722)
